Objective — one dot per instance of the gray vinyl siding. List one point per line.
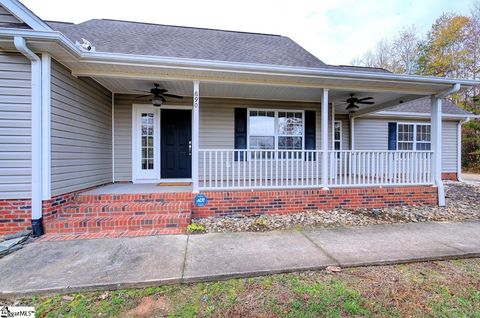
(15, 126)
(372, 134)
(8, 20)
(123, 137)
(81, 132)
(449, 144)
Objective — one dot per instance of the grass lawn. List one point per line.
(433, 289)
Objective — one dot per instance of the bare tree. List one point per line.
(473, 44)
(383, 55)
(406, 48)
(380, 57)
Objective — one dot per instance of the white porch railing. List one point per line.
(221, 169)
(375, 168)
(268, 169)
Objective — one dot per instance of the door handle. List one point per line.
(190, 148)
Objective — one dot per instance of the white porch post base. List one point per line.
(195, 134)
(436, 124)
(324, 136)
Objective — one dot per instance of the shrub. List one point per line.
(194, 228)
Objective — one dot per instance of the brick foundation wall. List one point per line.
(238, 203)
(53, 207)
(452, 176)
(15, 215)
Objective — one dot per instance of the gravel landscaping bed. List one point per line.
(463, 203)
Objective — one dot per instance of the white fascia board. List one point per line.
(25, 15)
(418, 115)
(198, 64)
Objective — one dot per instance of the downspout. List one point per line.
(36, 95)
(113, 137)
(459, 149)
(352, 133)
(438, 151)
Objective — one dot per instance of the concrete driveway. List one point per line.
(471, 177)
(66, 266)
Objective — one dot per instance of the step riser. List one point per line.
(126, 209)
(117, 224)
(122, 214)
(137, 198)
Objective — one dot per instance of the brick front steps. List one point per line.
(107, 234)
(113, 215)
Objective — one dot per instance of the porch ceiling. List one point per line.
(256, 91)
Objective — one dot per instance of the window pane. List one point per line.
(423, 146)
(258, 142)
(337, 145)
(337, 130)
(290, 123)
(423, 133)
(289, 143)
(405, 146)
(262, 123)
(405, 132)
(147, 141)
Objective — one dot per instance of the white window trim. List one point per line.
(276, 134)
(415, 124)
(341, 135)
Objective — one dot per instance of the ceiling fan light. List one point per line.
(352, 108)
(157, 101)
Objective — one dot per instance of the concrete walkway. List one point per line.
(144, 261)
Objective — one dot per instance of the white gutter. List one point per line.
(251, 68)
(459, 149)
(36, 95)
(387, 113)
(450, 91)
(437, 133)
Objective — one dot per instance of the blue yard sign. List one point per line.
(200, 200)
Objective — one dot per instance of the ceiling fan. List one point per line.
(159, 95)
(352, 106)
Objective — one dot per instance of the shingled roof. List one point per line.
(186, 42)
(423, 105)
(127, 37)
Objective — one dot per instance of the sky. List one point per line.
(335, 31)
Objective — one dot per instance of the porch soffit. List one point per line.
(212, 90)
(158, 73)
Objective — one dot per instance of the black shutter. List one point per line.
(240, 131)
(392, 136)
(310, 131)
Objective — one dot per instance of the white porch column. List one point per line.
(324, 136)
(195, 133)
(436, 132)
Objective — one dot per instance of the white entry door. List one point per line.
(146, 143)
